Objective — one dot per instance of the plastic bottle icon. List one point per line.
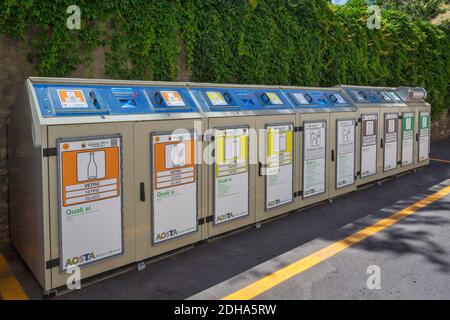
(92, 167)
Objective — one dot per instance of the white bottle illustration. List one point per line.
(92, 167)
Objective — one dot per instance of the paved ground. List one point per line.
(413, 254)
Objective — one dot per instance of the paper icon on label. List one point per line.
(424, 122)
(279, 142)
(391, 126)
(90, 165)
(315, 137)
(175, 155)
(232, 147)
(369, 128)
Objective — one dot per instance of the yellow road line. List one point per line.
(440, 160)
(281, 275)
(10, 288)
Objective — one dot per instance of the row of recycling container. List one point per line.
(107, 173)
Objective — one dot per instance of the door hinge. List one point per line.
(208, 219)
(52, 264)
(49, 152)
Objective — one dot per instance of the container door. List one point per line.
(275, 179)
(369, 157)
(314, 158)
(343, 153)
(91, 199)
(167, 186)
(390, 142)
(423, 136)
(231, 174)
(407, 145)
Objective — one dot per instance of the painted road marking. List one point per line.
(440, 160)
(262, 285)
(10, 288)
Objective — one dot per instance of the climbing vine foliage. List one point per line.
(290, 42)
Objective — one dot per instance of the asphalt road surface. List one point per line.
(406, 260)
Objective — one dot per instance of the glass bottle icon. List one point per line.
(92, 167)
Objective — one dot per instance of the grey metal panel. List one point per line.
(78, 81)
(119, 118)
(370, 105)
(26, 186)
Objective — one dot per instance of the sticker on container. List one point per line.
(339, 98)
(90, 189)
(231, 175)
(274, 98)
(174, 182)
(173, 98)
(279, 155)
(407, 138)
(345, 154)
(369, 136)
(390, 138)
(216, 98)
(394, 96)
(314, 158)
(300, 98)
(424, 136)
(72, 99)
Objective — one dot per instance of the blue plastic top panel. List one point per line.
(316, 99)
(86, 100)
(240, 99)
(362, 95)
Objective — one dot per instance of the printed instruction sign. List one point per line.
(216, 98)
(174, 185)
(72, 99)
(173, 99)
(369, 136)
(345, 154)
(90, 199)
(424, 136)
(279, 175)
(390, 138)
(407, 138)
(231, 174)
(314, 164)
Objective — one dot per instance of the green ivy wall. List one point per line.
(295, 42)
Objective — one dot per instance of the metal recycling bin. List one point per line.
(97, 173)
(379, 113)
(326, 137)
(251, 175)
(415, 99)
